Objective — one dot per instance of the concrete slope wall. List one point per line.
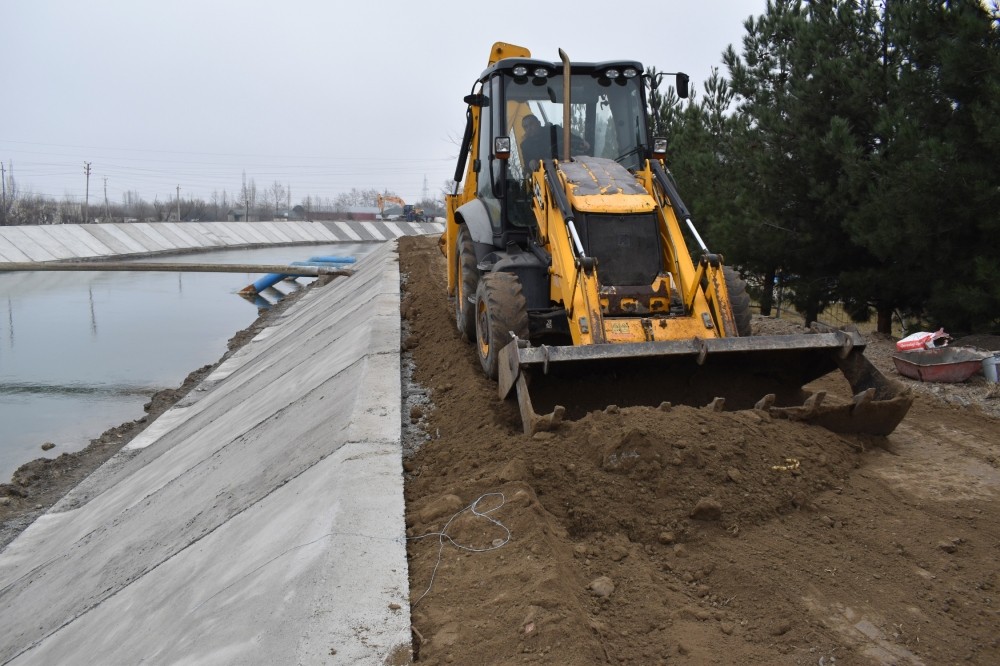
(92, 241)
(259, 521)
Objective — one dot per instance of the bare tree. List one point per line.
(267, 206)
(357, 197)
(127, 205)
(8, 204)
(277, 192)
(33, 209)
(159, 208)
(247, 199)
(217, 203)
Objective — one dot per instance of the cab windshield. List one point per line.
(607, 119)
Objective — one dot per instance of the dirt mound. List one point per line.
(982, 341)
(641, 535)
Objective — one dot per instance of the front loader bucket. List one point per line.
(762, 372)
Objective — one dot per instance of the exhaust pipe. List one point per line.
(566, 105)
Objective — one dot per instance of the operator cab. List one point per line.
(607, 111)
(607, 119)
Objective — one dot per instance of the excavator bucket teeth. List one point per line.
(557, 382)
(878, 406)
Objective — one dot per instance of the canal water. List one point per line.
(81, 352)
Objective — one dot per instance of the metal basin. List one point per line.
(945, 364)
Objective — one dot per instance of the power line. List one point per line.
(348, 158)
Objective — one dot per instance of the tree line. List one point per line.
(19, 207)
(850, 156)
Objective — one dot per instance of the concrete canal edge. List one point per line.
(60, 242)
(259, 521)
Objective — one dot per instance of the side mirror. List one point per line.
(501, 147)
(659, 151)
(682, 85)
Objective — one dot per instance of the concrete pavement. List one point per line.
(259, 521)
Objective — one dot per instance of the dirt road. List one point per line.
(641, 536)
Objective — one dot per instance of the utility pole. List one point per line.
(178, 203)
(86, 200)
(107, 208)
(3, 205)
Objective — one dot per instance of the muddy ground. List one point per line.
(680, 537)
(687, 536)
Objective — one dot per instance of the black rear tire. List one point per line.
(501, 309)
(467, 279)
(739, 300)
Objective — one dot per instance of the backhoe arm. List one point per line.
(574, 280)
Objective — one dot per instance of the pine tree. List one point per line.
(860, 160)
(931, 216)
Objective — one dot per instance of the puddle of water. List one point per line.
(82, 352)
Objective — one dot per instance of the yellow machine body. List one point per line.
(573, 274)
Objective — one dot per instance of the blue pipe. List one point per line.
(268, 280)
(272, 279)
(332, 259)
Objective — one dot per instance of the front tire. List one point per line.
(466, 281)
(501, 309)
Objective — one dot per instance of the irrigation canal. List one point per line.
(81, 352)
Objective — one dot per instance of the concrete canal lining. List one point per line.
(60, 242)
(259, 521)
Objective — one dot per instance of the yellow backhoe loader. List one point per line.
(570, 270)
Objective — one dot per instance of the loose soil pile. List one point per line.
(641, 535)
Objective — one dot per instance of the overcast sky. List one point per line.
(320, 95)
